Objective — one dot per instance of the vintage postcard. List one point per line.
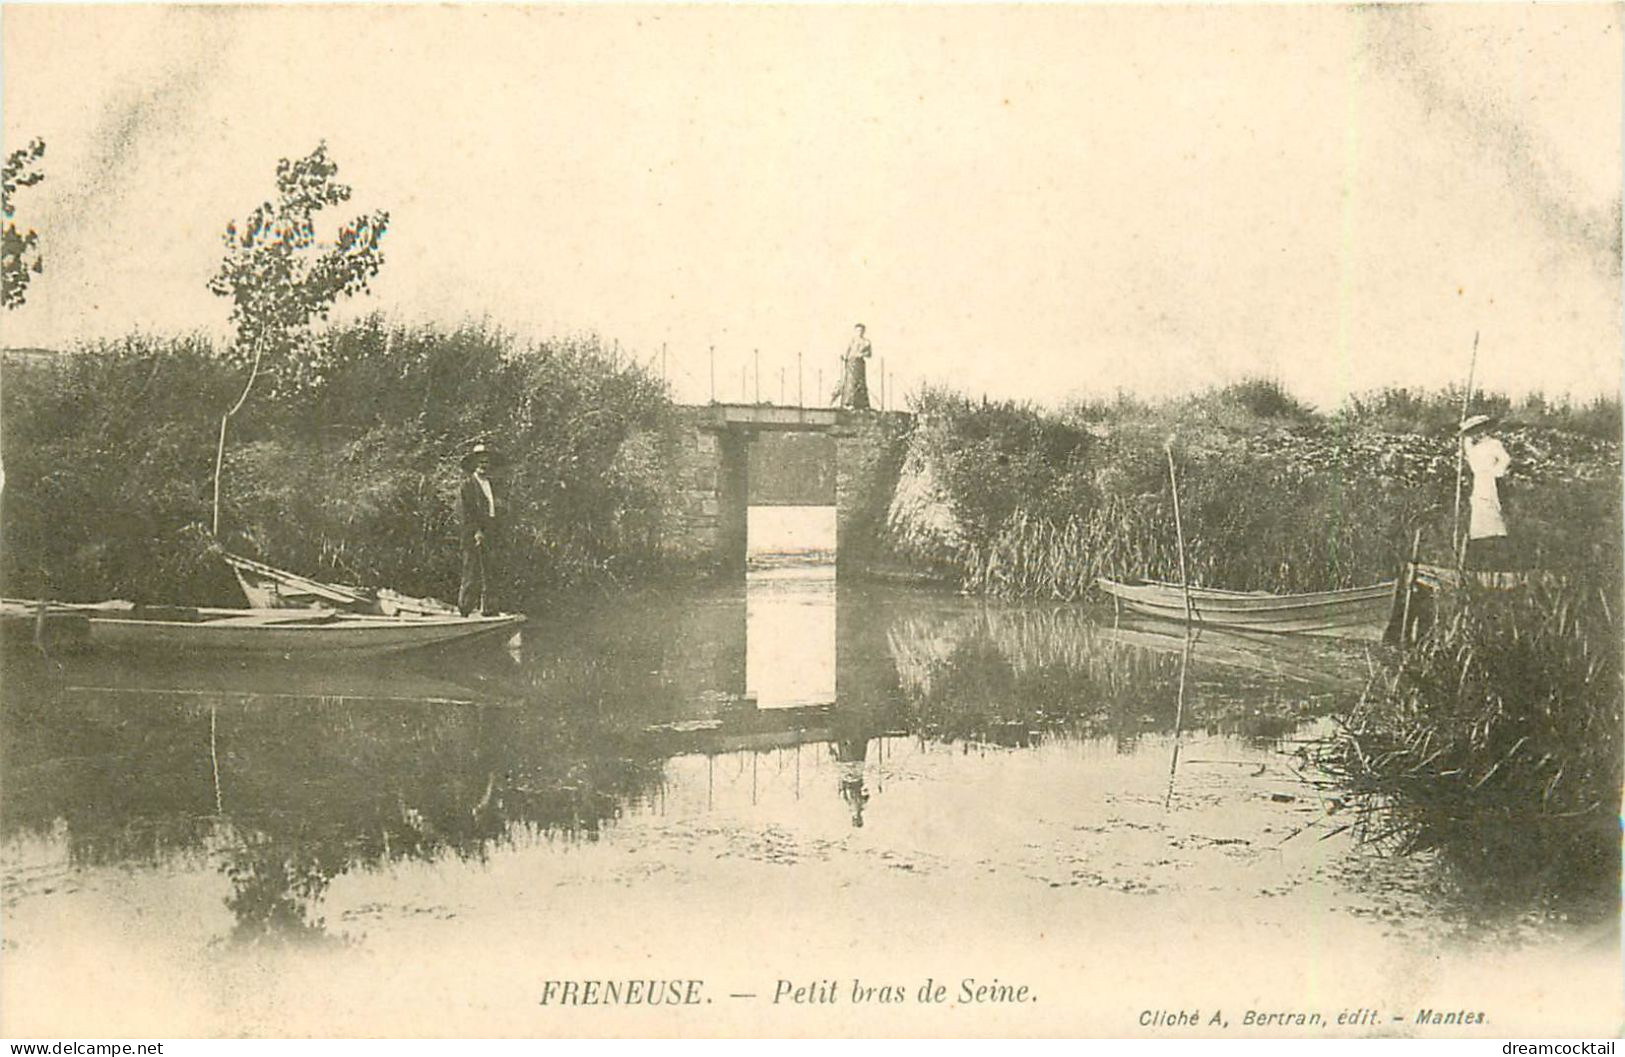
(811, 520)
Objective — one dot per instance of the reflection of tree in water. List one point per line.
(274, 888)
(307, 790)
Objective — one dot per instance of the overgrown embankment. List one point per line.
(1496, 740)
(352, 475)
(1274, 496)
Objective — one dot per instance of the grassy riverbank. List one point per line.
(1496, 741)
(1017, 502)
(109, 452)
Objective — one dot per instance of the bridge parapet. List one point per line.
(776, 418)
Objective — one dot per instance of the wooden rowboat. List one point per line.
(121, 627)
(1359, 612)
(267, 587)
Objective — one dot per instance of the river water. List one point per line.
(769, 787)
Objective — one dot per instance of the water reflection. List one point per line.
(616, 706)
(790, 636)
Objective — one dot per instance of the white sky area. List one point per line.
(1034, 202)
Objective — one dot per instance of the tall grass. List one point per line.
(1497, 741)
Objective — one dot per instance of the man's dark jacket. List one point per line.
(476, 513)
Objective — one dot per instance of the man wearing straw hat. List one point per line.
(478, 507)
(1487, 542)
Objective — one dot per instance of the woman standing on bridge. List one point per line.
(854, 388)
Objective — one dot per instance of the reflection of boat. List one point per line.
(268, 587)
(1305, 661)
(123, 627)
(1359, 612)
(374, 679)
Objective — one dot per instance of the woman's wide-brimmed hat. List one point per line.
(1475, 423)
(477, 453)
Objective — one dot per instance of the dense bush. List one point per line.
(109, 456)
(998, 458)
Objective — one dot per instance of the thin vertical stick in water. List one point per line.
(214, 761)
(1179, 717)
(1456, 541)
(1190, 626)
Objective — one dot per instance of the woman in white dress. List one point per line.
(1488, 545)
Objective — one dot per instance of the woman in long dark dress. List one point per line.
(854, 390)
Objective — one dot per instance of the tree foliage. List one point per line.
(21, 259)
(281, 277)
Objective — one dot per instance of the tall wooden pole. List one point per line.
(1461, 456)
(1179, 530)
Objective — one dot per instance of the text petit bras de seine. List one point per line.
(829, 991)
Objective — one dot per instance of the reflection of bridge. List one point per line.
(735, 456)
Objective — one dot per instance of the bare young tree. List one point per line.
(281, 278)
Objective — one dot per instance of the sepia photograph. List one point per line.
(813, 520)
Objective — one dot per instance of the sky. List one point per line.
(1036, 202)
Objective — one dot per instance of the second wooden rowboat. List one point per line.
(1359, 612)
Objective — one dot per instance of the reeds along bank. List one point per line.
(1496, 740)
(1274, 496)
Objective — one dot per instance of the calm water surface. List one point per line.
(785, 779)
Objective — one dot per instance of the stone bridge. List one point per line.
(735, 456)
